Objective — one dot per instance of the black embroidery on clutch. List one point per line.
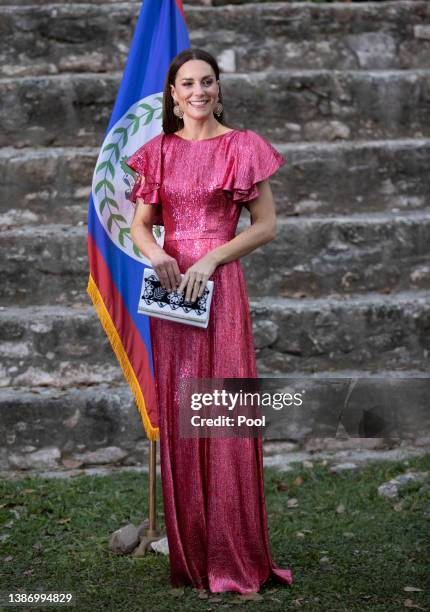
(154, 292)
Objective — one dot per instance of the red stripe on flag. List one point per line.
(181, 8)
(125, 338)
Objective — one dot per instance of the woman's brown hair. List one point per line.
(172, 123)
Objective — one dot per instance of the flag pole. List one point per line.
(152, 534)
(152, 530)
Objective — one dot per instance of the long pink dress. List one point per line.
(213, 488)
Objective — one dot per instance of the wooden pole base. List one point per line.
(152, 534)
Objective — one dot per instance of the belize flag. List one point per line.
(115, 264)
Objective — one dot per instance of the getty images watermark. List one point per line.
(301, 407)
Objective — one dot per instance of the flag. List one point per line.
(115, 264)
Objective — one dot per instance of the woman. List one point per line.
(194, 178)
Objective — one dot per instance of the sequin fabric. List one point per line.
(213, 488)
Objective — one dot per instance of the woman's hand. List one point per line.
(196, 277)
(167, 269)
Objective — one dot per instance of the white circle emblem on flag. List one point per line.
(113, 180)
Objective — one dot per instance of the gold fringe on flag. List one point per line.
(153, 433)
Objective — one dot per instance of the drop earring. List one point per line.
(178, 111)
(218, 109)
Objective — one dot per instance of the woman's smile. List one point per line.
(198, 102)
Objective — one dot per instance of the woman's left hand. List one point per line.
(196, 277)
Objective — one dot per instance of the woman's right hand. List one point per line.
(167, 269)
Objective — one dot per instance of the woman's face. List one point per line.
(195, 81)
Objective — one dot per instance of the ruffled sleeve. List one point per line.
(255, 160)
(147, 164)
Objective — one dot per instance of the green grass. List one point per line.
(58, 542)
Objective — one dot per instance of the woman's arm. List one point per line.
(141, 229)
(165, 266)
(262, 230)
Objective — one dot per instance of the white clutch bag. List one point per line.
(156, 301)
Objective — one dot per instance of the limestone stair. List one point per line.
(341, 90)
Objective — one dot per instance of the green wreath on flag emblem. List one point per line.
(113, 180)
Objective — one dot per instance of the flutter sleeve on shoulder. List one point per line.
(256, 160)
(146, 162)
(147, 165)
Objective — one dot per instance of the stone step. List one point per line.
(357, 332)
(54, 428)
(48, 185)
(76, 37)
(46, 426)
(8, 4)
(44, 265)
(283, 105)
(203, 3)
(351, 3)
(317, 257)
(346, 255)
(61, 346)
(311, 257)
(52, 185)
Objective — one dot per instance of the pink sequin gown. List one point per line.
(213, 488)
